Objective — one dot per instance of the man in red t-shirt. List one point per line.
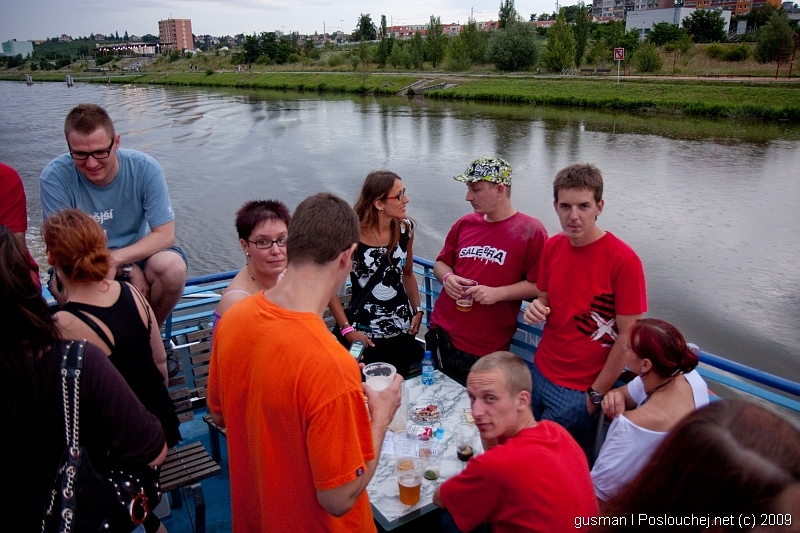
(14, 212)
(592, 290)
(533, 475)
(497, 247)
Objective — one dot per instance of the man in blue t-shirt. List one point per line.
(125, 191)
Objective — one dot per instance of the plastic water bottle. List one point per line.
(427, 369)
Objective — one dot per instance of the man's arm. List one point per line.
(382, 406)
(522, 290)
(453, 284)
(158, 239)
(616, 359)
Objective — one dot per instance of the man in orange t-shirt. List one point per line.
(301, 445)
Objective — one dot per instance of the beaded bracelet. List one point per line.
(444, 279)
(348, 329)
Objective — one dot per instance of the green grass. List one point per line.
(722, 99)
(328, 82)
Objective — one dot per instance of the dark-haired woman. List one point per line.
(111, 417)
(666, 389)
(111, 314)
(262, 226)
(390, 316)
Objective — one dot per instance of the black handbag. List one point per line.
(83, 499)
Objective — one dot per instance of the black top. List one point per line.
(111, 420)
(132, 355)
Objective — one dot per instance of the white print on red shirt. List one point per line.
(488, 254)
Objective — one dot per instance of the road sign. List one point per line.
(619, 54)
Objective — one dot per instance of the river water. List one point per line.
(712, 207)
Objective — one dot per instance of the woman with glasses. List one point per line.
(389, 316)
(667, 388)
(111, 314)
(262, 226)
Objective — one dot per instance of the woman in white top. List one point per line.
(667, 389)
(262, 226)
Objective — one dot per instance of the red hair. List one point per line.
(663, 344)
(76, 244)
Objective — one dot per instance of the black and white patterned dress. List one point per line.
(387, 308)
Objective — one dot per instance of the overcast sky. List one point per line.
(38, 19)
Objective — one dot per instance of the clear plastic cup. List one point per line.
(379, 375)
(430, 453)
(465, 436)
(409, 479)
(465, 302)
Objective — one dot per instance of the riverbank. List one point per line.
(745, 99)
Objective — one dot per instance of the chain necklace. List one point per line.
(253, 277)
(378, 239)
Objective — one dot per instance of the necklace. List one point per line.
(253, 277)
(658, 387)
(378, 239)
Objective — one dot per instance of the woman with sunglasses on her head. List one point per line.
(111, 314)
(667, 388)
(111, 417)
(390, 315)
(262, 226)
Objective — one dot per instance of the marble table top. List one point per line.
(383, 490)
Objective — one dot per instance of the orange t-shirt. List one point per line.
(293, 404)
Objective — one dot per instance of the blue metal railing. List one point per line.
(430, 289)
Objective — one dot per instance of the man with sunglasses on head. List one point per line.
(125, 191)
(490, 256)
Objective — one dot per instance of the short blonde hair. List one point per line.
(516, 373)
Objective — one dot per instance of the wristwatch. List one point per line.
(594, 396)
(126, 270)
(418, 310)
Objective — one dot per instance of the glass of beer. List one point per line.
(465, 302)
(465, 435)
(409, 479)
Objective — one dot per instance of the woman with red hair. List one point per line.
(111, 314)
(667, 389)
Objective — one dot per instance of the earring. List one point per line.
(247, 254)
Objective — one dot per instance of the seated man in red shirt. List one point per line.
(533, 475)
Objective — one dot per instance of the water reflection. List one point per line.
(710, 205)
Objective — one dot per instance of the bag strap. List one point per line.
(367, 289)
(139, 296)
(71, 368)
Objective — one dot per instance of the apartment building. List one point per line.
(175, 34)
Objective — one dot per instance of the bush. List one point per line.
(294, 58)
(646, 58)
(514, 48)
(400, 56)
(770, 36)
(264, 59)
(737, 52)
(336, 60)
(683, 44)
(715, 51)
(355, 59)
(209, 71)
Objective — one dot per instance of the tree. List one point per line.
(251, 49)
(417, 51)
(514, 48)
(560, 51)
(475, 41)
(91, 36)
(286, 47)
(706, 26)
(609, 36)
(149, 38)
(125, 37)
(435, 42)
(268, 45)
(383, 47)
(769, 37)
(116, 35)
(664, 32)
(365, 29)
(507, 14)
(581, 29)
(458, 57)
(760, 16)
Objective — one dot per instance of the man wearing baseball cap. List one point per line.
(490, 257)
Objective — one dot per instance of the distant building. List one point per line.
(129, 49)
(15, 47)
(739, 7)
(643, 20)
(99, 37)
(175, 34)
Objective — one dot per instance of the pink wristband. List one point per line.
(348, 329)
(444, 279)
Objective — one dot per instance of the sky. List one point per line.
(40, 19)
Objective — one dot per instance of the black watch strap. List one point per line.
(594, 396)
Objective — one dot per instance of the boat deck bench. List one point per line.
(186, 466)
